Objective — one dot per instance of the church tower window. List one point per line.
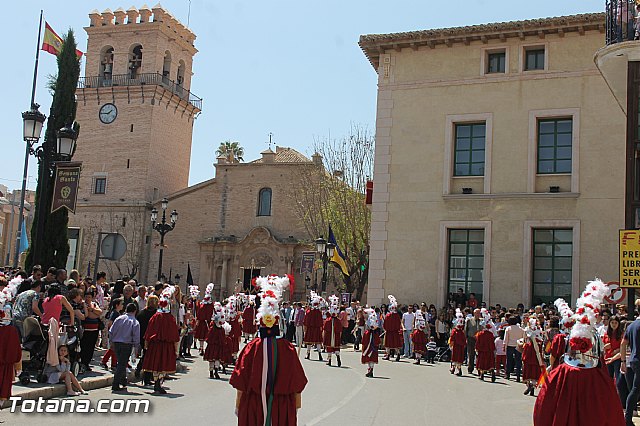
(264, 202)
(135, 61)
(106, 65)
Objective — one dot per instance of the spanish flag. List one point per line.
(52, 42)
(338, 258)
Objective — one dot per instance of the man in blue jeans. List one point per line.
(632, 340)
(124, 335)
(408, 319)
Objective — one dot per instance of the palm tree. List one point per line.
(231, 150)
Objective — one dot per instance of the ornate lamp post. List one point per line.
(163, 228)
(325, 250)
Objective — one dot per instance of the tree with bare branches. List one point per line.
(333, 193)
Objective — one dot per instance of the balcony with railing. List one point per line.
(622, 47)
(142, 79)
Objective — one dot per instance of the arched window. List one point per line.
(264, 202)
(135, 61)
(180, 76)
(166, 66)
(106, 65)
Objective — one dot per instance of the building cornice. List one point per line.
(373, 45)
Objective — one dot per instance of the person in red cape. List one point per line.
(249, 320)
(532, 361)
(268, 376)
(418, 337)
(558, 345)
(458, 344)
(313, 325)
(10, 349)
(161, 342)
(370, 341)
(332, 331)
(218, 351)
(579, 390)
(486, 348)
(393, 339)
(236, 328)
(203, 317)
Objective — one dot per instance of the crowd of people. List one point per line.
(147, 329)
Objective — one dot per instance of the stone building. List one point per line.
(499, 163)
(136, 114)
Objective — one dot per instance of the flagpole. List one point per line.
(16, 257)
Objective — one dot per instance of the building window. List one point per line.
(100, 185)
(554, 145)
(469, 149)
(466, 261)
(264, 202)
(552, 260)
(496, 62)
(534, 59)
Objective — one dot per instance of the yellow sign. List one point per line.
(629, 258)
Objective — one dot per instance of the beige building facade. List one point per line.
(499, 166)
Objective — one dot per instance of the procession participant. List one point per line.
(486, 347)
(235, 335)
(203, 317)
(393, 338)
(579, 391)
(332, 330)
(161, 342)
(370, 341)
(418, 337)
(558, 345)
(457, 343)
(218, 352)
(249, 327)
(532, 362)
(10, 349)
(268, 377)
(313, 325)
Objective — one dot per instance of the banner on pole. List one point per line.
(629, 258)
(65, 186)
(306, 266)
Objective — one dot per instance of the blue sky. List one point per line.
(292, 68)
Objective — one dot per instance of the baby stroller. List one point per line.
(35, 343)
(443, 354)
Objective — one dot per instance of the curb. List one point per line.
(57, 390)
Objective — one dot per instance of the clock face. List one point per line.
(108, 113)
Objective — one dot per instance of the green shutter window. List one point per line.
(554, 145)
(469, 149)
(466, 261)
(534, 59)
(552, 265)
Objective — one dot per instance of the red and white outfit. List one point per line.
(393, 339)
(313, 323)
(370, 341)
(458, 344)
(249, 327)
(10, 349)
(332, 331)
(418, 337)
(218, 351)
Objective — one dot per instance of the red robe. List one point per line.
(10, 354)
(458, 343)
(203, 315)
(392, 326)
(486, 349)
(531, 369)
(558, 348)
(370, 345)
(419, 340)
(313, 324)
(332, 334)
(235, 334)
(249, 320)
(573, 396)
(289, 381)
(161, 338)
(218, 346)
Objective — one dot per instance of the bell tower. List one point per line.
(136, 114)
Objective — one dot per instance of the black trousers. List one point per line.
(123, 352)
(88, 346)
(291, 331)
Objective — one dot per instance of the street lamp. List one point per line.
(325, 250)
(163, 227)
(66, 142)
(32, 122)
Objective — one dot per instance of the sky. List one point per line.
(291, 68)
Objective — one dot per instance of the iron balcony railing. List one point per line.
(116, 80)
(622, 20)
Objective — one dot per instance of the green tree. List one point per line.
(53, 248)
(232, 151)
(334, 194)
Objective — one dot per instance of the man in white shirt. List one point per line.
(141, 299)
(408, 319)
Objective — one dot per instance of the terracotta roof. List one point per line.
(286, 155)
(375, 44)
